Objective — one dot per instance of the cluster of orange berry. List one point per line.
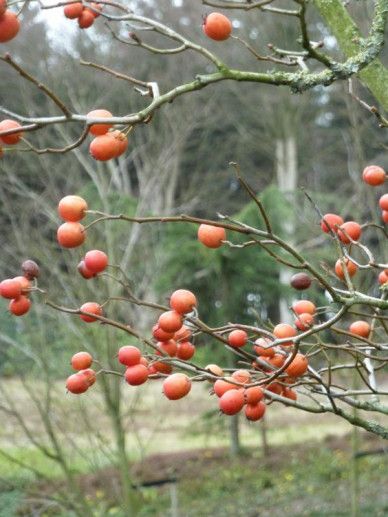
(85, 16)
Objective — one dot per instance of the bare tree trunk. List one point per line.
(287, 178)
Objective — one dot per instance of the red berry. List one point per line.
(99, 129)
(185, 351)
(255, 412)
(304, 321)
(81, 361)
(303, 306)
(86, 19)
(77, 383)
(3, 7)
(237, 338)
(222, 386)
(72, 208)
(263, 347)
(360, 328)
(170, 321)
(24, 282)
(183, 301)
(73, 11)
(9, 27)
(129, 355)
(90, 376)
(71, 235)
(10, 288)
(298, 366)
(183, 334)
(160, 334)
(84, 271)
(331, 222)
(383, 278)
(19, 306)
(283, 330)
(352, 231)
(231, 402)
(383, 202)
(384, 216)
(241, 376)
(211, 236)
(373, 175)
(136, 375)
(96, 261)
(93, 308)
(253, 395)
(350, 266)
(289, 394)
(176, 386)
(217, 26)
(12, 138)
(168, 347)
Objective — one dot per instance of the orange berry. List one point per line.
(237, 338)
(9, 27)
(93, 308)
(129, 355)
(176, 386)
(211, 236)
(72, 208)
(283, 330)
(360, 328)
(352, 229)
(19, 306)
(5, 125)
(86, 19)
(231, 402)
(373, 175)
(331, 222)
(263, 347)
(350, 266)
(304, 321)
(71, 235)
(73, 11)
(136, 375)
(303, 306)
(81, 361)
(255, 412)
(217, 27)
(298, 366)
(99, 129)
(170, 321)
(182, 301)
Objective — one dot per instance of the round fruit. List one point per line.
(30, 269)
(168, 347)
(99, 129)
(84, 271)
(211, 236)
(81, 361)
(5, 125)
(183, 301)
(96, 261)
(72, 208)
(170, 321)
(183, 334)
(86, 19)
(352, 231)
(121, 141)
(217, 27)
(350, 266)
(185, 351)
(77, 383)
(161, 367)
(277, 360)
(300, 281)
(10, 288)
(255, 412)
(304, 321)
(373, 175)
(383, 278)
(90, 376)
(129, 355)
(242, 376)
(73, 11)
(298, 366)
(136, 375)
(71, 235)
(215, 369)
(93, 308)
(383, 202)
(360, 328)
(231, 402)
(160, 334)
(275, 387)
(303, 306)
(253, 395)
(19, 306)
(9, 27)
(237, 338)
(176, 386)
(24, 282)
(384, 216)
(283, 330)
(220, 387)
(104, 147)
(263, 347)
(331, 222)
(289, 394)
